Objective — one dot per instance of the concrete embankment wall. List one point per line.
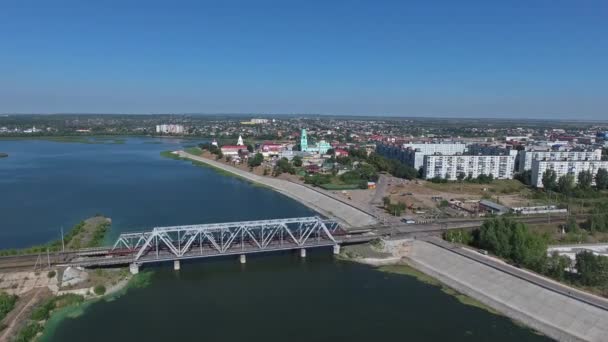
(317, 201)
(555, 315)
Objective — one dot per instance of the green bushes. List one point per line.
(7, 303)
(592, 269)
(29, 332)
(51, 274)
(99, 290)
(512, 240)
(99, 234)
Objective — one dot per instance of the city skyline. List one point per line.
(471, 59)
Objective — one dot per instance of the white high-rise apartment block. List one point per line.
(170, 129)
(501, 167)
(527, 157)
(414, 153)
(564, 167)
(259, 121)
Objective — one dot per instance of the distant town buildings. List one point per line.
(255, 122)
(170, 129)
(564, 167)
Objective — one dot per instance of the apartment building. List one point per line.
(526, 158)
(449, 166)
(413, 154)
(564, 167)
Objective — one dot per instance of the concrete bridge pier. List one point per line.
(303, 253)
(134, 268)
(336, 249)
(243, 258)
(176, 265)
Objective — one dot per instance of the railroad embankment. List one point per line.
(321, 203)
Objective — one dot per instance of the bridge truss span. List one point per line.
(191, 241)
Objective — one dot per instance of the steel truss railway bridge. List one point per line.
(219, 239)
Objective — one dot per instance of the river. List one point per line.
(45, 185)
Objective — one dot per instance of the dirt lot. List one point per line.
(426, 196)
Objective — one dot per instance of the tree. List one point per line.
(585, 178)
(297, 161)
(592, 269)
(565, 184)
(331, 152)
(557, 265)
(571, 225)
(386, 201)
(512, 240)
(549, 179)
(461, 176)
(601, 179)
(282, 167)
(256, 161)
(250, 148)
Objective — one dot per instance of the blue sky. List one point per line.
(529, 59)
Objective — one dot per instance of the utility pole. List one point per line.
(62, 241)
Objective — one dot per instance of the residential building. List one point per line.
(413, 154)
(170, 129)
(564, 167)
(449, 167)
(526, 157)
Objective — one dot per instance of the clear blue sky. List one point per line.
(426, 58)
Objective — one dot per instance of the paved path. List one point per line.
(317, 201)
(533, 300)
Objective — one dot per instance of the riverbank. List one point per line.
(325, 205)
(473, 283)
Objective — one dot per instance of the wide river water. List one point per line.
(46, 185)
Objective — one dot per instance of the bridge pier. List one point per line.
(303, 253)
(243, 258)
(134, 268)
(176, 265)
(336, 249)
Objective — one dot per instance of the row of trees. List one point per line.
(566, 183)
(514, 241)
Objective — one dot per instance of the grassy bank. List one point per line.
(87, 233)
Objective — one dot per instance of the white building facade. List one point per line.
(527, 157)
(413, 154)
(448, 167)
(170, 129)
(564, 167)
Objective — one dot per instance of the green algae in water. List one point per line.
(73, 311)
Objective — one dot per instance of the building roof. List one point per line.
(494, 206)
